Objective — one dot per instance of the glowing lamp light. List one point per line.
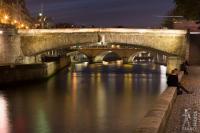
(105, 63)
(112, 46)
(40, 14)
(15, 21)
(6, 17)
(1, 32)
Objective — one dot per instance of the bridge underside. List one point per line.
(93, 52)
(128, 55)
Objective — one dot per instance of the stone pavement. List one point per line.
(185, 115)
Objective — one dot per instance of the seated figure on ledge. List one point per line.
(172, 81)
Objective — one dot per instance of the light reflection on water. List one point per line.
(90, 99)
(4, 121)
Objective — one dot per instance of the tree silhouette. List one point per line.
(190, 9)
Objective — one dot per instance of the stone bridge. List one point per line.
(31, 42)
(172, 42)
(97, 54)
(34, 41)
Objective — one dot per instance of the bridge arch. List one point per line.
(107, 56)
(135, 55)
(77, 56)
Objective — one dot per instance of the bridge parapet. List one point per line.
(38, 40)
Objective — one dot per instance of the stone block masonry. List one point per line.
(155, 120)
(27, 72)
(10, 45)
(172, 42)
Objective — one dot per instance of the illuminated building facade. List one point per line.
(14, 12)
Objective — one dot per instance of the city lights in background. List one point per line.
(6, 19)
(12, 15)
(15, 14)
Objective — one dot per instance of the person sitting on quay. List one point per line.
(172, 81)
(187, 63)
(184, 67)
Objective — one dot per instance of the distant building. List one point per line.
(186, 25)
(65, 25)
(71, 25)
(43, 22)
(14, 12)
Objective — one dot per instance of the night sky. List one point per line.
(135, 13)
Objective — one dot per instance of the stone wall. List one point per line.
(10, 45)
(155, 120)
(194, 56)
(27, 72)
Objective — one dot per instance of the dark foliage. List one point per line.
(190, 9)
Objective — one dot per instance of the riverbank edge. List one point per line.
(155, 119)
(24, 73)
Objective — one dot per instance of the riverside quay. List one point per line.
(111, 71)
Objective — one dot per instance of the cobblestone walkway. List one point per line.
(180, 120)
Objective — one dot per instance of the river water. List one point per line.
(92, 99)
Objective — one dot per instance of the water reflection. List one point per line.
(4, 119)
(90, 99)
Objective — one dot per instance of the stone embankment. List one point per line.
(156, 118)
(190, 102)
(27, 72)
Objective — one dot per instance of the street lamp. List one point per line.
(40, 14)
